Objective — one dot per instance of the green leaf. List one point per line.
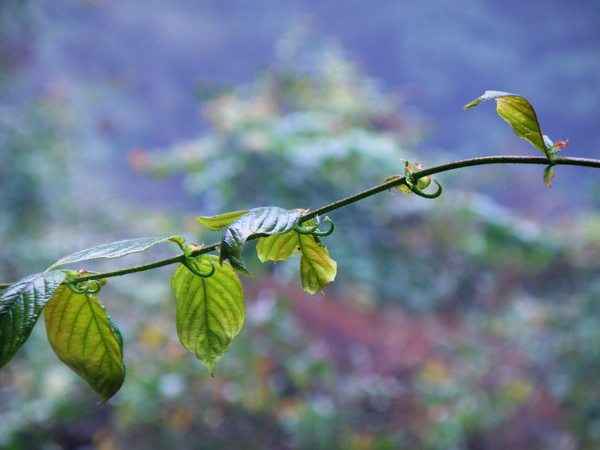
(116, 249)
(277, 247)
(317, 268)
(86, 339)
(262, 221)
(217, 223)
(520, 115)
(210, 311)
(20, 306)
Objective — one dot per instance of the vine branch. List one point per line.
(479, 161)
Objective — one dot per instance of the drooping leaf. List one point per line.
(262, 221)
(20, 306)
(277, 247)
(217, 223)
(317, 268)
(86, 339)
(210, 311)
(116, 249)
(520, 115)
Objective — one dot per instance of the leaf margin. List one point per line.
(109, 250)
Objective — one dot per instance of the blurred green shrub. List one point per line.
(499, 349)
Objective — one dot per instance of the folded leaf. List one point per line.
(277, 247)
(262, 221)
(86, 339)
(217, 223)
(115, 249)
(20, 306)
(317, 268)
(210, 311)
(520, 115)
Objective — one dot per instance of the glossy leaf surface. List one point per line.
(262, 221)
(20, 306)
(86, 339)
(116, 249)
(210, 311)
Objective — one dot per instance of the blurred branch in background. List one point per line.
(453, 324)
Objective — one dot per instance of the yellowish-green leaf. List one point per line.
(277, 247)
(317, 268)
(210, 311)
(217, 223)
(520, 115)
(86, 339)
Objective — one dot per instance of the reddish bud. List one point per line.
(558, 144)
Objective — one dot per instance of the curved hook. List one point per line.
(325, 233)
(93, 287)
(413, 187)
(190, 263)
(308, 230)
(313, 229)
(78, 288)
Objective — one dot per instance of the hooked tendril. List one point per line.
(413, 187)
(325, 233)
(85, 287)
(313, 229)
(309, 229)
(191, 264)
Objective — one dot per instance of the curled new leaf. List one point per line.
(116, 249)
(20, 306)
(260, 221)
(549, 176)
(86, 339)
(210, 311)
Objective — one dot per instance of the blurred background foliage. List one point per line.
(454, 323)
